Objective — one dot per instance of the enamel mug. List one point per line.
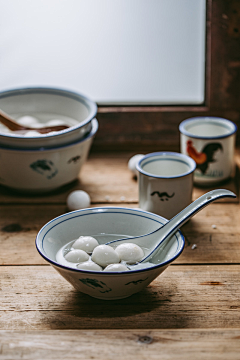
(210, 141)
(165, 182)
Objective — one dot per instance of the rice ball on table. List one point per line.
(78, 199)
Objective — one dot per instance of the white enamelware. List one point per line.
(210, 141)
(106, 224)
(165, 182)
(46, 104)
(44, 170)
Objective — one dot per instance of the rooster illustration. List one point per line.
(204, 157)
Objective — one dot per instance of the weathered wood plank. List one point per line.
(37, 297)
(199, 249)
(181, 344)
(215, 230)
(106, 178)
(32, 217)
(210, 249)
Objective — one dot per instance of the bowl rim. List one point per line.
(178, 157)
(90, 104)
(210, 119)
(50, 149)
(97, 209)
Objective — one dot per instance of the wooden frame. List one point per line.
(152, 128)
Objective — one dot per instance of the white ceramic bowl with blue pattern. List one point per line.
(106, 224)
(47, 104)
(44, 170)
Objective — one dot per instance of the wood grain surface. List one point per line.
(214, 231)
(219, 344)
(191, 311)
(37, 297)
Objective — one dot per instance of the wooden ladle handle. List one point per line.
(11, 124)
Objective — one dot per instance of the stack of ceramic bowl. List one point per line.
(45, 162)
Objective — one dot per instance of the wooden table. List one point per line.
(191, 311)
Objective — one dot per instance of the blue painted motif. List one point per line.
(44, 167)
(136, 282)
(96, 285)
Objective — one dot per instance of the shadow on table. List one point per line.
(145, 310)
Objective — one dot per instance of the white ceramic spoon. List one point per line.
(153, 241)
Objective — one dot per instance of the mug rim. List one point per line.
(188, 161)
(212, 119)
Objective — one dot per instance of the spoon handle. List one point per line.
(167, 230)
(9, 122)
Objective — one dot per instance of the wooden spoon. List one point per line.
(14, 126)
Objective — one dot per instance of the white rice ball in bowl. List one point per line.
(38, 107)
(105, 224)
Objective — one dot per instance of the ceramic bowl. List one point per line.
(44, 170)
(106, 224)
(47, 104)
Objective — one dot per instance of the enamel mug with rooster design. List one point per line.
(210, 141)
(165, 182)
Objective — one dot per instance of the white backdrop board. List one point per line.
(114, 51)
